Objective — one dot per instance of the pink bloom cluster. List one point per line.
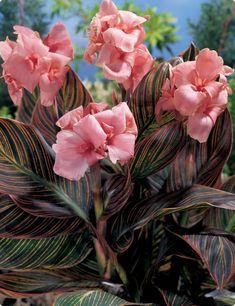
(116, 37)
(198, 92)
(31, 61)
(89, 134)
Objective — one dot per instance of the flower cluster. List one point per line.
(89, 134)
(116, 37)
(198, 92)
(31, 61)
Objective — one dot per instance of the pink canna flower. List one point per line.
(78, 149)
(115, 40)
(197, 90)
(30, 62)
(91, 134)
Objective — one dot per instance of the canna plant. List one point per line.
(119, 205)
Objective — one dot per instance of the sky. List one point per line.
(181, 9)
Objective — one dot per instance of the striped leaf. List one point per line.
(143, 101)
(72, 95)
(137, 214)
(21, 284)
(116, 192)
(156, 151)
(25, 110)
(16, 223)
(172, 299)
(93, 297)
(26, 173)
(50, 253)
(190, 53)
(217, 254)
(202, 163)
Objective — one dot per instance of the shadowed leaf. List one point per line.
(190, 53)
(25, 110)
(172, 299)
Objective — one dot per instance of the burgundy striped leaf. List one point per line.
(172, 299)
(202, 163)
(25, 110)
(159, 149)
(135, 215)
(117, 190)
(143, 101)
(217, 254)
(190, 53)
(72, 95)
(16, 223)
(26, 174)
(21, 284)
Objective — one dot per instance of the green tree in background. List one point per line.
(25, 12)
(160, 29)
(216, 28)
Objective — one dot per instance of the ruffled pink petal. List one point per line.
(94, 108)
(108, 54)
(68, 120)
(199, 127)
(131, 20)
(6, 48)
(187, 99)
(184, 73)
(121, 148)
(124, 41)
(123, 119)
(90, 53)
(58, 41)
(227, 70)
(214, 112)
(90, 130)
(19, 30)
(213, 88)
(107, 7)
(118, 71)
(14, 89)
(208, 64)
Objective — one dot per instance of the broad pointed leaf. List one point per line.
(93, 297)
(217, 254)
(159, 149)
(172, 299)
(26, 173)
(16, 223)
(190, 53)
(137, 214)
(72, 95)
(49, 253)
(145, 96)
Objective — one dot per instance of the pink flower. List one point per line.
(115, 38)
(29, 62)
(78, 149)
(198, 91)
(89, 134)
(121, 130)
(58, 41)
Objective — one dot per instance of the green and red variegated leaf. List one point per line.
(202, 163)
(26, 174)
(16, 223)
(190, 53)
(25, 110)
(143, 101)
(159, 149)
(21, 284)
(137, 214)
(93, 297)
(116, 191)
(49, 253)
(172, 299)
(72, 95)
(221, 218)
(217, 254)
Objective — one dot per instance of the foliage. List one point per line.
(215, 28)
(29, 13)
(161, 236)
(160, 30)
